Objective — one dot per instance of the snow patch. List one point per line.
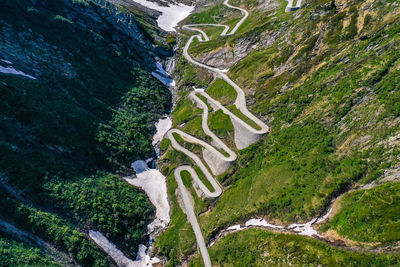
(171, 15)
(7, 61)
(11, 70)
(162, 127)
(163, 76)
(325, 217)
(234, 228)
(142, 259)
(305, 228)
(261, 222)
(110, 249)
(153, 183)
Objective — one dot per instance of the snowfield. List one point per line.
(162, 126)
(163, 76)
(110, 249)
(153, 183)
(142, 259)
(171, 14)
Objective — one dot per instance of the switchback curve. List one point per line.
(211, 155)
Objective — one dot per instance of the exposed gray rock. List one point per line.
(319, 40)
(127, 24)
(243, 48)
(222, 58)
(267, 5)
(40, 56)
(228, 57)
(268, 38)
(391, 175)
(322, 10)
(31, 53)
(367, 6)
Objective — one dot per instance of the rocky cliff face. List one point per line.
(31, 51)
(228, 57)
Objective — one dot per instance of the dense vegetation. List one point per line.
(54, 228)
(257, 247)
(325, 78)
(108, 204)
(127, 134)
(14, 253)
(89, 112)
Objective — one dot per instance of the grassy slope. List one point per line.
(92, 108)
(222, 91)
(371, 215)
(257, 247)
(328, 85)
(309, 131)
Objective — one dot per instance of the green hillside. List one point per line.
(325, 78)
(321, 83)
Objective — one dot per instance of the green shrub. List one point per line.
(54, 229)
(13, 253)
(110, 205)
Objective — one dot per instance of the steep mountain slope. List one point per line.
(325, 79)
(78, 102)
(17, 254)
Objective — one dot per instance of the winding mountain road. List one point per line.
(217, 162)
